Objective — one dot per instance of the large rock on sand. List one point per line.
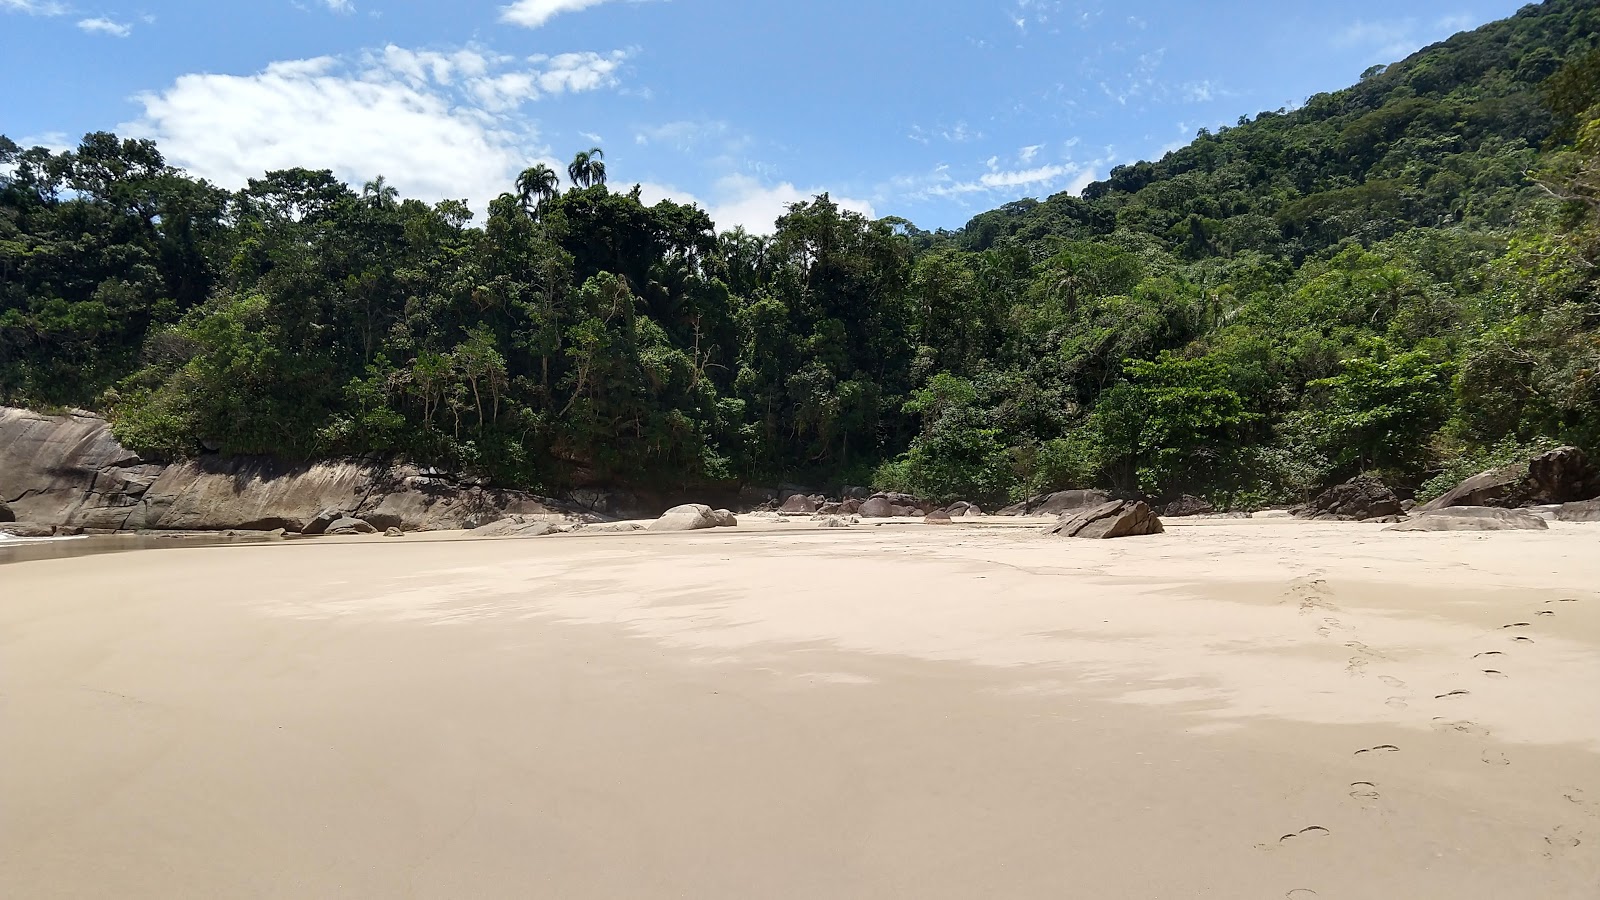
(1361, 499)
(347, 526)
(515, 526)
(938, 517)
(1563, 475)
(692, 517)
(799, 505)
(1188, 505)
(1119, 518)
(1474, 518)
(1587, 511)
(1058, 503)
(877, 508)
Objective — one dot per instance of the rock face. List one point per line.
(692, 517)
(1119, 518)
(6, 515)
(1587, 511)
(70, 471)
(1474, 518)
(1188, 506)
(1563, 475)
(1057, 503)
(1361, 499)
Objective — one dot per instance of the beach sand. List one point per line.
(1259, 708)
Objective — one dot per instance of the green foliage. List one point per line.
(1400, 276)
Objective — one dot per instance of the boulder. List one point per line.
(938, 517)
(1563, 475)
(607, 528)
(693, 517)
(1188, 505)
(877, 508)
(851, 507)
(798, 505)
(1474, 518)
(961, 509)
(1057, 503)
(1586, 511)
(1119, 518)
(835, 522)
(1361, 499)
(320, 522)
(347, 526)
(514, 526)
(393, 532)
(6, 515)
(27, 529)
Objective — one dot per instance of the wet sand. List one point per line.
(1235, 709)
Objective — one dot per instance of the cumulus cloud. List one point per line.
(533, 13)
(101, 25)
(740, 200)
(340, 6)
(437, 124)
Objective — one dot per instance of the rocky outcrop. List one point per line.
(1188, 506)
(692, 517)
(961, 509)
(1119, 518)
(1361, 499)
(1474, 518)
(800, 505)
(1058, 503)
(348, 526)
(70, 471)
(1563, 475)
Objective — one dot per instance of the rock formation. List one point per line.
(1473, 518)
(1361, 499)
(1119, 518)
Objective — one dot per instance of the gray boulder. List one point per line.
(798, 505)
(938, 517)
(27, 529)
(834, 522)
(393, 532)
(515, 526)
(961, 509)
(1563, 475)
(1119, 518)
(320, 522)
(347, 526)
(1188, 506)
(1057, 504)
(1586, 511)
(692, 517)
(725, 518)
(1361, 499)
(6, 515)
(1474, 518)
(877, 508)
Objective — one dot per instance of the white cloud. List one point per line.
(35, 7)
(340, 6)
(102, 25)
(437, 125)
(745, 201)
(1020, 177)
(1026, 154)
(533, 13)
(1393, 39)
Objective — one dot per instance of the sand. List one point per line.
(1235, 709)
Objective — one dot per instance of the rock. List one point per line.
(725, 518)
(851, 507)
(320, 522)
(1563, 475)
(1361, 499)
(877, 508)
(1473, 518)
(1586, 511)
(798, 505)
(27, 529)
(348, 526)
(1188, 506)
(938, 517)
(851, 492)
(6, 515)
(607, 528)
(515, 526)
(1119, 518)
(961, 509)
(829, 509)
(688, 517)
(1057, 503)
(834, 522)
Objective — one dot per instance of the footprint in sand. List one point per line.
(1391, 681)
(1461, 726)
(1562, 839)
(1494, 673)
(1356, 666)
(1448, 695)
(1300, 894)
(1545, 612)
(1516, 625)
(1396, 703)
(1495, 758)
(1523, 640)
(1381, 748)
(1487, 653)
(1363, 790)
(1312, 831)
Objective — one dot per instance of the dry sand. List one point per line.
(1235, 709)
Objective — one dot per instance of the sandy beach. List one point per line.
(1259, 708)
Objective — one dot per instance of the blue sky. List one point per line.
(933, 110)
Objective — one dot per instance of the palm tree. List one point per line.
(539, 182)
(379, 194)
(587, 169)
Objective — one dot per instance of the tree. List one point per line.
(536, 186)
(588, 168)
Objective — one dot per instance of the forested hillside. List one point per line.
(1396, 278)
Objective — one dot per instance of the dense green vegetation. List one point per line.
(1396, 278)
